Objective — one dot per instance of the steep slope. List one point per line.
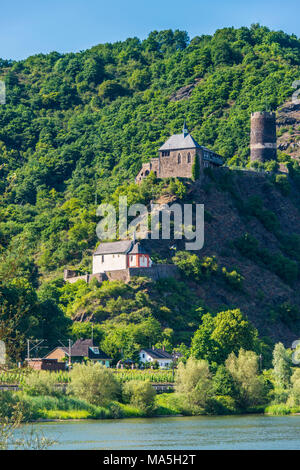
(288, 129)
(239, 203)
(75, 129)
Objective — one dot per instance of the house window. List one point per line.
(95, 349)
(189, 157)
(165, 153)
(102, 259)
(179, 158)
(143, 355)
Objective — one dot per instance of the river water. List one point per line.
(222, 432)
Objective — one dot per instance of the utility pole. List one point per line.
(29, 348)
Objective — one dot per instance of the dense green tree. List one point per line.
(218, 336)
(244, 370)
(282, 366)
(223, 383)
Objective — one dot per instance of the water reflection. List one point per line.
(233, 432)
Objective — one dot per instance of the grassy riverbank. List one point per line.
(166, 404)
(94, 392)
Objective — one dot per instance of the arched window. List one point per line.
(179, 158)
(189, 157)
(146, 172)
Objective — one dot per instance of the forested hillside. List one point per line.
(76, 126)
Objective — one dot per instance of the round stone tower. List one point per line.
(263, 136)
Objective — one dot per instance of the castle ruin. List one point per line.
(176, 157)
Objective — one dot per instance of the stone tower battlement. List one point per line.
(263, 142)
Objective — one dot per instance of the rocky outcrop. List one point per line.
(288, 129)
(184, 92)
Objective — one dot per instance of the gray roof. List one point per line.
(137, 248)
(123, 246)
(180, 142)
(158, 353)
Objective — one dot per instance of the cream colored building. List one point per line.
(120, 255)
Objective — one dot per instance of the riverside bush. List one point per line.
(194, 383)
(140, 394)
(41, 383)
(244, 370)
(94, 383)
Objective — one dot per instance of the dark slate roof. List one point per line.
(180, 142)
(82, 348)
(137, 248)
(158, 353)
(123, 246)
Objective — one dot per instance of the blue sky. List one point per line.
(28, 27)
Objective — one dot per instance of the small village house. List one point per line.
(81, 349)
(162, 357)
(120, 255)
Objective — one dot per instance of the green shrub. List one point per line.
(130, 411)
(140, 394)
(177, 188)
(271, 166)
(233, 278)
(41, 383)
(94, 383)
(278, 410)
(7, 402)
(282, 182)
(194, 267)
(194, 383)
(244, 370)
(294, 396)
(168, 404)
(221, 405)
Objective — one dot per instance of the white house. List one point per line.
(120, 255)
(161, 356)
